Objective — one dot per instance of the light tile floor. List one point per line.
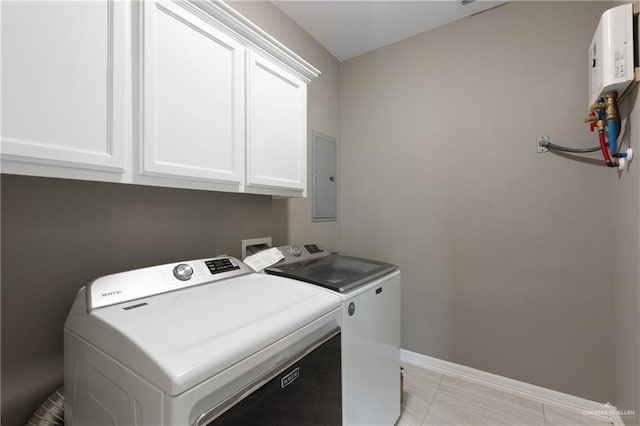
(433, 399)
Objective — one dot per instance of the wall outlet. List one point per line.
(540, 142)
(254, 245)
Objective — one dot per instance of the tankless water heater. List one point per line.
(611, 53)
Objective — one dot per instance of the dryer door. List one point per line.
(306, 392)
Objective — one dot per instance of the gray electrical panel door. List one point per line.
(324, 178)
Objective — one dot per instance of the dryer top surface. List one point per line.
(178, 339)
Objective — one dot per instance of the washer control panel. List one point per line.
(313, 248)
(300, 253)
(140, 283)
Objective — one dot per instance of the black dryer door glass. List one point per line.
(307, 393)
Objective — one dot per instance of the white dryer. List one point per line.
(203, 342)
(370, 291)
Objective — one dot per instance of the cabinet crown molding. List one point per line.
(229, 20)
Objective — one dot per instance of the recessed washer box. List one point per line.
(254, 245)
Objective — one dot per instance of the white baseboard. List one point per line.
(517, 387)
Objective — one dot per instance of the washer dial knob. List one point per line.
(295, 250)
(183, 272)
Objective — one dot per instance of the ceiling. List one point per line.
(351, 28)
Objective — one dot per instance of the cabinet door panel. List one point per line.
(63, 74)
(194, 127)
(276, 127)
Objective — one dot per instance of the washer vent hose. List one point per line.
(51, 411)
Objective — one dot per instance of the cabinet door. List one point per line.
(276, 127)
(193, 98)
(63, 91)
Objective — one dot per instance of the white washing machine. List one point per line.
(370, 291)
(203, 342)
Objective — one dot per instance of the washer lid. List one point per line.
(335, 272)
(179, 339)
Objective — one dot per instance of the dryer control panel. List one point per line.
(226, 264)
(137, 284)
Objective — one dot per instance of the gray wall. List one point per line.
(626, 272)
(505, 253)
(57, 235)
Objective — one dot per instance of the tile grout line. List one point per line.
(544, 415)
(432, 400)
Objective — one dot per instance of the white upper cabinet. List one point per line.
(63, 89)
(186, 94)
(276, 128)
(193, 98)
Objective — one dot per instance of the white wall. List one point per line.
(505, 253)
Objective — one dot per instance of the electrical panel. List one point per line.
(611, 53)
(324, 179)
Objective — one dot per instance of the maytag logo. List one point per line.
(290, 378)
(111, 293)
